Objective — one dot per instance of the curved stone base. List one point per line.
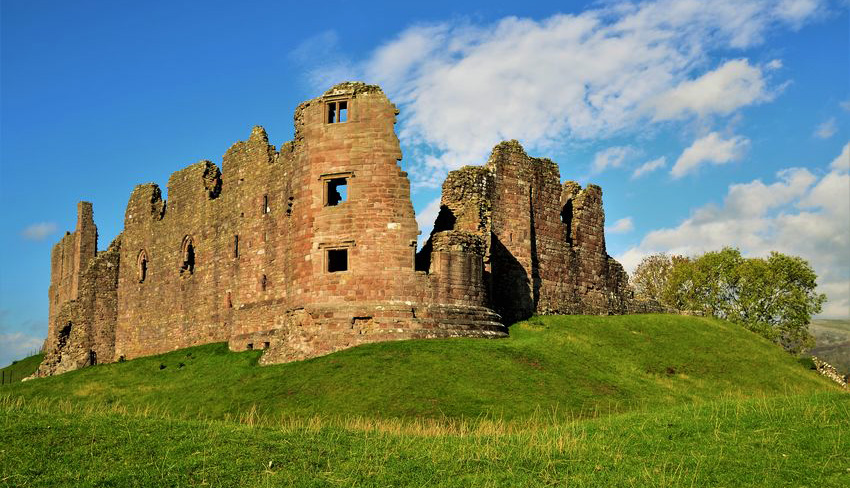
(326, 328)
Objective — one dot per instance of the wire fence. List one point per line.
(9, 375)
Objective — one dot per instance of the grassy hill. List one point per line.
(597, 401)
(570, 366)
(18, 370)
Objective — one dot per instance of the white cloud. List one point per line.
(17, 345)
(722, 91)
(826, 129)
(426, 218)
(774, 64)
(710, 149)
(799, 214)
(621, 226)
(320, 57)
(797, 12)
(463, 87)
(39, 231)
(611, 157)
(649, 167)
(842, 162)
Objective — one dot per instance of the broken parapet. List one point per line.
(544, 243)
(81, 332)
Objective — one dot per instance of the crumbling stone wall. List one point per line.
(544, 242)
(81, 331)
(309, 249)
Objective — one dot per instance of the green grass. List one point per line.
(795, 441)
(658, 400)
(575, 366)
(18, 370)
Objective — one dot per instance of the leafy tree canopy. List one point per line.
(774, 296)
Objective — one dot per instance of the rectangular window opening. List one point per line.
(331, 112)
(343, 112)
(337, 112)
(336, 191)
(250, 346)
(266, 208)
(337, 260)
(236, 246)
(266, 345)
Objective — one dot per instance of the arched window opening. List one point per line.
(142, 266)
(188, 256)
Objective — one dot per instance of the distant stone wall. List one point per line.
(311, 248)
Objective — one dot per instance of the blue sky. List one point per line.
(707, 123)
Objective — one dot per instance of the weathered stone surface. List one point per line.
(270, 252)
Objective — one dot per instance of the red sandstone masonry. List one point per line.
(261, 254)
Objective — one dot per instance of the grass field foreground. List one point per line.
(796, 441)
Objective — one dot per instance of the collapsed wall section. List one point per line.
(544, 242)
(81, 332)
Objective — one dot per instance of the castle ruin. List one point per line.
(311, 248)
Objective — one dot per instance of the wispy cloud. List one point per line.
(462, 87)
(710, 149)
(612, 157)
(39, 231)
(621, 226)
(17, 345)
(799, 213)
(649, 167)
(733, 85)
(826, 129)
(321, 58)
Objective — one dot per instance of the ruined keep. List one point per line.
(311, 248)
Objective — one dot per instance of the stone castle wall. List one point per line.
(544, 242)
(311, 248)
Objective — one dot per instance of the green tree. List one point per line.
(650, 277)
(774, 297)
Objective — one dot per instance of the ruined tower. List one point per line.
(311, 248)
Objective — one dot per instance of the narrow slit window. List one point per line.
(142, 266)
(337, 260)
(266, 208)
(263, 283)
(336, 191)
(188, 256)
(567, 219)
(337, 112)
(236, 246)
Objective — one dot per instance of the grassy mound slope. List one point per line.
(563, 367)
(21, 369)
(781, 441)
